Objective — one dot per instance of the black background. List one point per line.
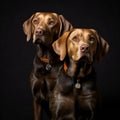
(16, 55)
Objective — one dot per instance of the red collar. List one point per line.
(46, 60)
(43, 59)
(65, 67)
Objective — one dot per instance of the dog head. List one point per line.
(45, 27)
(81, 44)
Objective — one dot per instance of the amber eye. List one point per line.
(35, 21)
(91, 39)
(51, 21)
(76, 39)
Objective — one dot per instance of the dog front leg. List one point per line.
(37, 111)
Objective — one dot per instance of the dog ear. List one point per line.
(102, 48)
(59, 46)
(64, 25)
(27, 28)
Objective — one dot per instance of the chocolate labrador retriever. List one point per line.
(44, 28)
(75, 96)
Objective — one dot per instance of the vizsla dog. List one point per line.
(44, 28)
(75, 96)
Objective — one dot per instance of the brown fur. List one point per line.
(44, 28)
(78, 49)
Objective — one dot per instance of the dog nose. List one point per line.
(84, 48)
(39, 31)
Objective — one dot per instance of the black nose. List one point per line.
(84, 48)
(39, 31)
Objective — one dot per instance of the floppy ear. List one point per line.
(27, 28)
(102, 48)
(59, 46)
(64, 25)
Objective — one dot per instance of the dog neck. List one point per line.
(46, 54)
(77, 69)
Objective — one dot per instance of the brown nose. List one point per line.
(39, 31)
(84, 48)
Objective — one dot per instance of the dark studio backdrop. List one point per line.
(16, 55)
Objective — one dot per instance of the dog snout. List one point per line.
(84, 48)
(39, 31)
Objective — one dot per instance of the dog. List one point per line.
(76, 96)
(44, 28)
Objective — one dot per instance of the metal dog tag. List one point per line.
(48, 67)
(77, 85)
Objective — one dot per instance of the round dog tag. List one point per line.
(48, 67)
(77, 85)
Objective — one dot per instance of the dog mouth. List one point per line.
(44, 39)
(38, 41)
(85, 59)
(41, 40)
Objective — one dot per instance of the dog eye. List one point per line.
(76, 39)
(51, 22)
(91, 39)
(35, 21)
